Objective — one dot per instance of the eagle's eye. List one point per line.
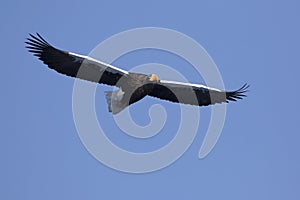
(153, 77)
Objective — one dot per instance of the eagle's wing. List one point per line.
(69, 63)
(194, 94)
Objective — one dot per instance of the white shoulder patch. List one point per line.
(181, 84)
(77, 56)
(104, 65)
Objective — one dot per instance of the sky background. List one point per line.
(257, 156)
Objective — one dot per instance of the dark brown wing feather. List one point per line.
(194, 94)
(72, 64)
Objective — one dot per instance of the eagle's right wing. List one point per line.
(72, 64)
(194, 94)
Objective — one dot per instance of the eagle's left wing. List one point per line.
(194, 94)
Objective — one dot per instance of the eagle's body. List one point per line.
(132, 86)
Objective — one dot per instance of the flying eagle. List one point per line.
(132, 87)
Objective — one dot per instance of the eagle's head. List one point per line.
(153, 78)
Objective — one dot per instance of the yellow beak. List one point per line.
(153, 77)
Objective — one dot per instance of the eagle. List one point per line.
(132, 87)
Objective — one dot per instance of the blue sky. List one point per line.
(257, 156)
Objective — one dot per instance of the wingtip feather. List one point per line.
(238, 94)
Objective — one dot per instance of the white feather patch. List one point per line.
(181, 84)
(103, 65)
(118, 95)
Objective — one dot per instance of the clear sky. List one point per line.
(257, 156)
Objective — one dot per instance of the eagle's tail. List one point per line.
(114, 101)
